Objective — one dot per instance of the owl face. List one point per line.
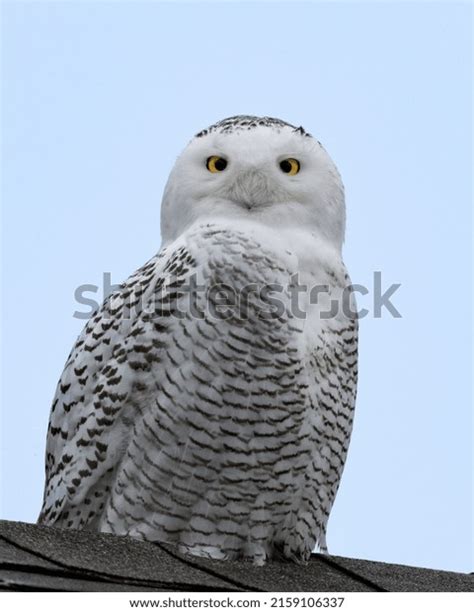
(258, 170)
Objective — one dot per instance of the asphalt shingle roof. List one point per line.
(38, 558)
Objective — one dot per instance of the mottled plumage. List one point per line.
(221, 428)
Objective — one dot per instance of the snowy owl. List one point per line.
(209, 402)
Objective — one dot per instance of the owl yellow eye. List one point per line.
(216, 163)
(290, 166)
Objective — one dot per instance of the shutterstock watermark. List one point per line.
(190, 298)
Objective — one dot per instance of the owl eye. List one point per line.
(290, 166)
(216, 163)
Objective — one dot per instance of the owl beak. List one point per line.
(250, 188)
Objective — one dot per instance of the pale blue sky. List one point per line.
(99, 99)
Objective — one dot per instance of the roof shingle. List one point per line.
(39, 558)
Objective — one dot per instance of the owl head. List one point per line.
(255, 169)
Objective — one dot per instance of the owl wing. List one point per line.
(94, 402)
(171, 418)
